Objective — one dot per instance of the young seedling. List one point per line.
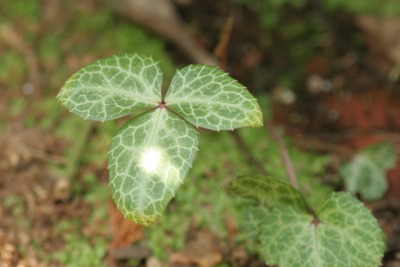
(341, 232)
(152, 153)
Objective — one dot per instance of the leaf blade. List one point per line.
(348, 235)
(207, 97)
(113, 87)
(362, 237)
(254, 218)
(268, 191)
(148, 161)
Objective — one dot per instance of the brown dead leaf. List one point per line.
(125, 232)
(204, 251)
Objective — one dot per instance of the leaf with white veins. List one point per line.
(113, 87)
(148, 161)
(269, 192)
(347, 234)
(253, 220)
(151, 154)
(207, 97)
(366, 174)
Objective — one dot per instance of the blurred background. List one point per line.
(326, 72)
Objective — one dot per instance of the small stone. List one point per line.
(62, 190)
(28, 88)
(153, 262)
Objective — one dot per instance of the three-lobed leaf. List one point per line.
(151, 154)
(347, 234)
(366, 174)
(341, 233)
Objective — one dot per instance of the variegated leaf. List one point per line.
(207, 97)
(148, 161)
(113, 87)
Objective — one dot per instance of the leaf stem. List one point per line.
(284, 152)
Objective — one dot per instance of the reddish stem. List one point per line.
(285, 154)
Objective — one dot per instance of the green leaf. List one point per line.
(148, 161)
(268, 191)
(366, 174)
(113, 87)
(346, 234)
(209, 98)
(254, 218)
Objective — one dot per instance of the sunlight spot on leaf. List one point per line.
(151, 159)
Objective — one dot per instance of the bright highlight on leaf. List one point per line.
(152, 153)
(341, 233)
(366, 174)
(150, 160)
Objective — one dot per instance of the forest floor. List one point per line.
(55, 203)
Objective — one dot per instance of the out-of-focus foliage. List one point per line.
(293, 38)
(270, 11)
(296, 29)
(366, 173)
(383, 8)
(79, 251)
(12, 69)
(27, 10)
(76, 38)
